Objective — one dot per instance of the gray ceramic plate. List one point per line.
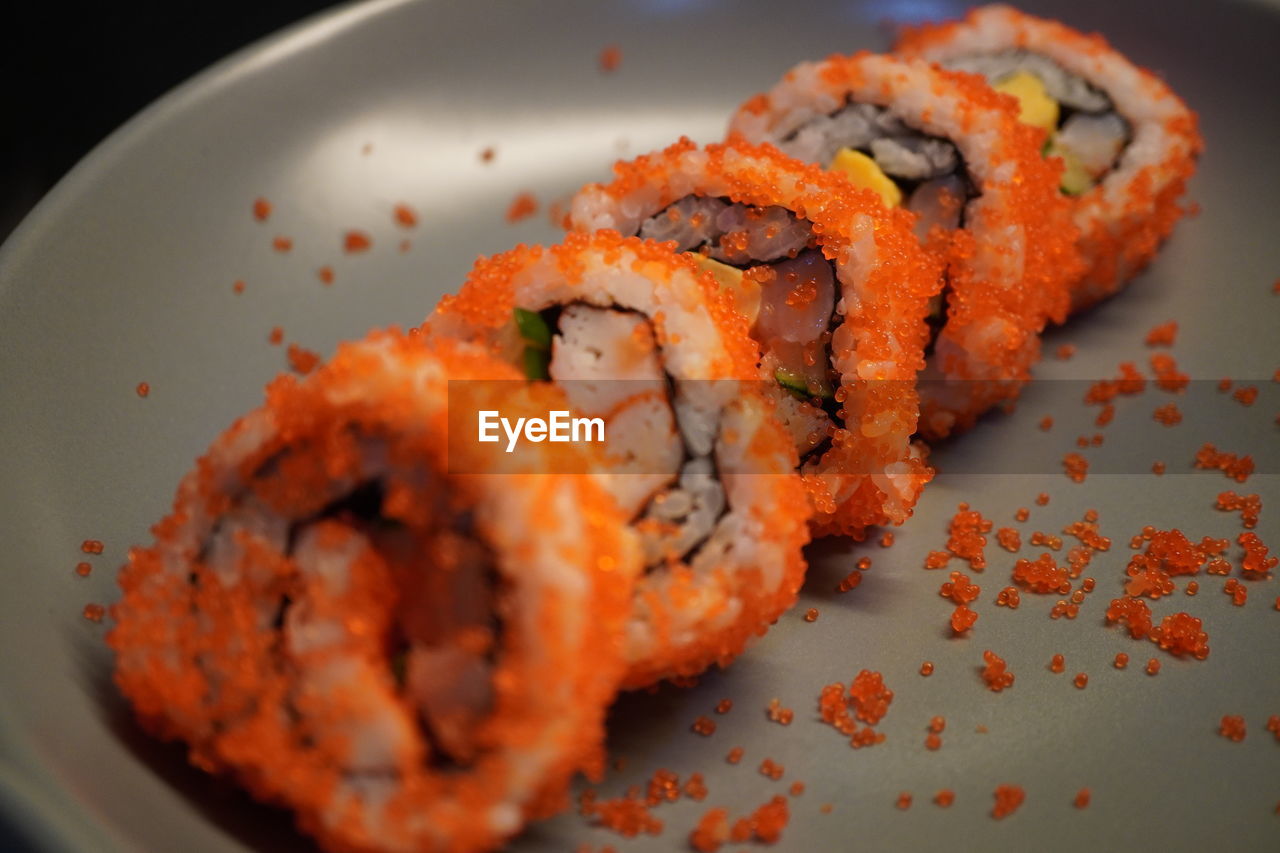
(124, 275)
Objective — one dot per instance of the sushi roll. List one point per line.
(1129, 144)
(834, 289)
(951, 151)
(410, 659)
(696, 458)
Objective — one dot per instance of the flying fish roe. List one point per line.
(355, 241)
(735, 755)
(1181, 634)
(522, 206)
(1009, 597)
(866, 736)
(94, 612)
(1247, 395)
(404, 215)
(1153, 667)
(1256, 563)
(276, 336)
(996, 673)
(936, 559)
(1105, 416)
(932, 742)
(1009, 539)
(962, 619)
(1076, 467)
(1046, 423)
(869, 697)
(1236, 467)
(1232, 728)
(663, 787)
(1065, 351)
(1133, 613)
(850, 582)
(610, 58)
(886, 541)
(1173, 552)
(1130, 382)
(926, 668)
(1121, 661)
(261, 209)
(92, 546)
(1162, 335)
(1249, 507)
(811, 615)
(1192, 588)
(628, 816)
(1042, 576)
(724, 706)
(959, 589)
(1062, 608)
(1057, 663)
(1168, 377)
(1081, 680)
(1147, 578)
(1273, 725)
(944, 798)
(712, 831)
(779, 714)
(765, 824)
(1008, 799)
(1042, 499)
(238, 285)
(937, 724)
(1218, 567)
(1083, 796)
(1040, 538)
(143, 389)
(965, 536)
(1239, 594)
(1158, 468)
(1169, 414)
(704, 726)
(84, 569)
(1224, 384)
(904, 801)
(282, 244)
(771, 769)
(325, 274)
(301, 360)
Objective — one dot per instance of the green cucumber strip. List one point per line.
(799, 386)
(536, 363)
(533, 328)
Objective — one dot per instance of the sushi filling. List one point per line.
(772, 255)
(442, 641)
(1084, 128)
(878, 150)
(659, 439)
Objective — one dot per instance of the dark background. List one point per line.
(73, 73)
